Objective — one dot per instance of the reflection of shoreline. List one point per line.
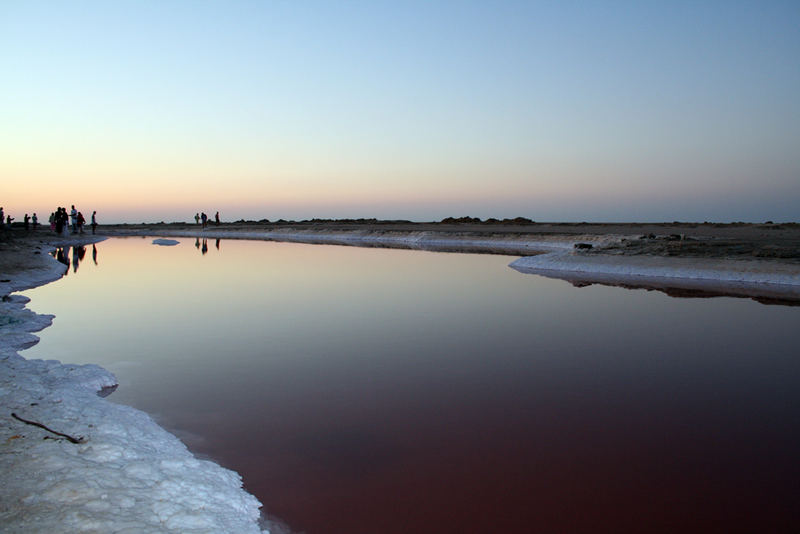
(677, 290)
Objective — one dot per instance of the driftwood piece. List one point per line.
(40, 425)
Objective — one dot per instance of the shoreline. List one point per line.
(98, 466)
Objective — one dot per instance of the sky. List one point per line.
(556, 111)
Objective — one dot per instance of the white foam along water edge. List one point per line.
(126, 474)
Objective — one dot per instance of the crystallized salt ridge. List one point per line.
(714, 271)
(127, 475)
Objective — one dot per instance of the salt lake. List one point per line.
(367, 390)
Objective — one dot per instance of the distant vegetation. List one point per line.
(476, 220)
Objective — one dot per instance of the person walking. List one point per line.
(94, 221)
(216, 218)
(35, 221)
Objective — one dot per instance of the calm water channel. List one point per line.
(364, 390)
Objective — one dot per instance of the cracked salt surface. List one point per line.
(128, 475)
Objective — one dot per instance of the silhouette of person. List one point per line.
(217, 244)
(94, 221)
(216, 218)
(197, 218)
(35, 221)
(27, 220)
(94, 254)
(73, 215)
(205, 246)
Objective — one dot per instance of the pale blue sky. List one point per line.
(420, 110)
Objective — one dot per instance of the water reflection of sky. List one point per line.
(373, 390)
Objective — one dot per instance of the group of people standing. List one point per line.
(61, 220)
(5, 220)
(202, 218)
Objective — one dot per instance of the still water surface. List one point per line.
(367, 390)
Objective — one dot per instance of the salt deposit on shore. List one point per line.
(98, 466)
(758, 279)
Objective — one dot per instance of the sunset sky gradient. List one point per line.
(559, 111)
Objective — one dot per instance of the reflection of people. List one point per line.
(197, 242)
(62, 255)
(78, 253)
(94, 254)
(217, 244)
(205, 245)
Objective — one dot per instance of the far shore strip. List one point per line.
(547, 255)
